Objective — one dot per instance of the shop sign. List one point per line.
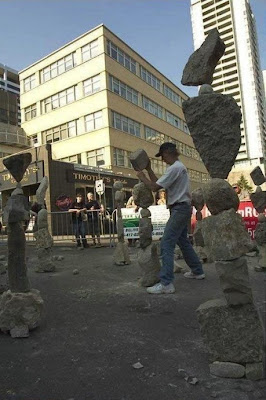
(159, 218)
(90, 178)
(33, 174)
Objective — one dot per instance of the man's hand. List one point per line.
(141, 175)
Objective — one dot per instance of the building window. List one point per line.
(170, 94)
(121, 57)
(121, 158)
(90, 50)
(125, 124)
(59, 67)
(93, 121)
(153, 136)
(123, 90)
(33, 140)
(92, 85)
(60, 132)
(75, 159)
(59, 99)
(173, 119)
(158, 166)
(149, 78)
(30, 112)
(94, 156)
(152, 107)
(29, 83)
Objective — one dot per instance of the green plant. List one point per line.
(243, 184)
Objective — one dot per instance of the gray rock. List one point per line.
(227, 369)
(120, 229)
(75, 271)
(118, 185)
(45, 260)
(145, 213)
(234, 280)
(262, 256)
(121, 254)
(202, 254)
(232, 334)
(139, 160)
(142, 195)
(220, 196)
(259, 200)
(149, 262)
(119, 196)
(17, 164)
(42, 220)
(41, 191)
(260, 233)
(20, 331)
(214, 124)
(205, 89)
(254, 371)
(43, 238)
(2, 257)
(198, 199)
(201, 64)
(145, 232)
(225, 237)
(197, 235)
(20, 309)
(257, 176)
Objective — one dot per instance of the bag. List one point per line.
(84, 216)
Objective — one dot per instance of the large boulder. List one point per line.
(260, 234)
(198, 199)
(231, 334)
(17, 164)
(142, 195)
(214, 124)
(201, 64)
(149, 262)
(220, 196)
(225, 237)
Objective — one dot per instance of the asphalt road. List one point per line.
(98, 323)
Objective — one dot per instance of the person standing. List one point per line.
(78, 211)
(176, 183)
(93, 210)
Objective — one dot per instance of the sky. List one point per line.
(159, 30)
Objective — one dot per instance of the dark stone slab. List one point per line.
(17, 165)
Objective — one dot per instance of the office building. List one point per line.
(238, 72)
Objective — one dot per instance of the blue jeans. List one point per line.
(79, 228)
(176, 233)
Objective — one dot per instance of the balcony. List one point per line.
(13, 136)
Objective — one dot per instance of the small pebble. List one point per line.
(75, 271)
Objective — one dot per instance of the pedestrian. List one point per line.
(93, 211)
(162, 198)
(78, 211)
(131, 204)
(176, 183)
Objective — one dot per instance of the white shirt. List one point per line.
(176, 182)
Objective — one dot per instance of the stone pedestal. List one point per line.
(44, 243)
(20, 312)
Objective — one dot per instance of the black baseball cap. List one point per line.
(165, 146)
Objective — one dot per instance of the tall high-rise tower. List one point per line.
(238, 72)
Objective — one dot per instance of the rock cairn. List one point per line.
(20, 306)
(44, 241)
(147, 256)
(121, 254)
(259, 202)
(231, 326)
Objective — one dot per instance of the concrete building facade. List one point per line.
(12, 136)
(238, 72)
(95, 100)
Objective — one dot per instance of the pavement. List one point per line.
(99, 323)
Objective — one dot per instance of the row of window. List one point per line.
(92, 157)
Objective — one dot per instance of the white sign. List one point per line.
(99, 186)
(159, 218)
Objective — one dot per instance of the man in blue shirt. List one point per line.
(176, 183)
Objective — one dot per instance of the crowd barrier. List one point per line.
(97, 224)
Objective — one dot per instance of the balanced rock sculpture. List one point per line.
(121, 254)
(230, 327)
(20, 306)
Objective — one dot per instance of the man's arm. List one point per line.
(150, 183)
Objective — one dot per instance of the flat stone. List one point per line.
(258, 200)
(254, 371)
(17, 164)
(220, 196)
(227, 369)
(225, 237)
(149, 263)
(214, 124)
(205, 89)
(201, 64)
(231, 334)
(257, 176)
(260, 233)
(75, 271)
(19, 332)
(234, 280)
(198, 199)
(139, 159)
(142, 195)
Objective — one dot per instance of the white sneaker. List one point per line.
(159, 288)
(190, 275)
